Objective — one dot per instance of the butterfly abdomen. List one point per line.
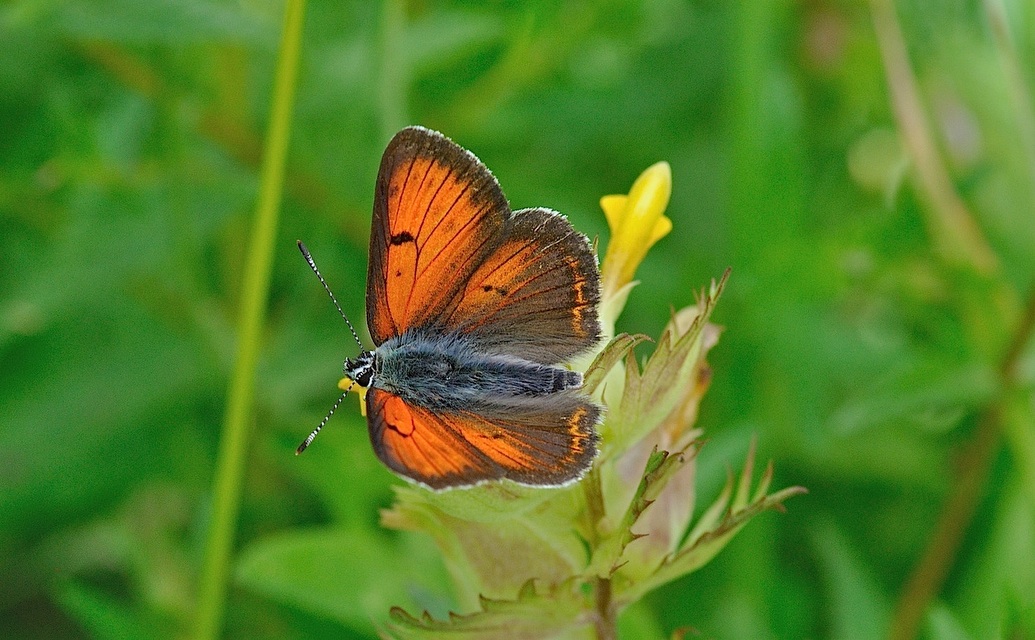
(445, 372)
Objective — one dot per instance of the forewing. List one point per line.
(438, 213)
(446, 253)
(536, 295)
(547, 441)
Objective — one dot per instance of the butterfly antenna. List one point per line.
(312, 436)
(312, 265)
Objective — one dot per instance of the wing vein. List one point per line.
(463, 441)
(419, 231)
(439, 223)
(417, 243)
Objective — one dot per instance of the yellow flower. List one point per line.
(347, 384)
(637, 221)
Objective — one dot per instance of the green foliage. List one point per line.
(875, 341)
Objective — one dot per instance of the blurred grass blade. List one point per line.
(233, 447)
(392, 80)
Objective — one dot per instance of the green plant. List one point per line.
(542, 563)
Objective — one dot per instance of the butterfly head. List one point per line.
(360, 369)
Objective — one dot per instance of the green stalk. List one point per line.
(392, 71)
(950, 222)
(233, 446)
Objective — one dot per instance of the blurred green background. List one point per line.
(881, 239)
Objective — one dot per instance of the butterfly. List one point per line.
(472, 308)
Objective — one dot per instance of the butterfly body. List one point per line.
(473, 308)
(446, 372)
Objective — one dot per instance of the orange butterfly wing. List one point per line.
(447, 253)
(529, 445)
(438, 213)
(541, 284)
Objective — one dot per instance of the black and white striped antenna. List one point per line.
(312, 265)
(312, 436)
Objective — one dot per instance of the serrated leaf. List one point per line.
(716, 527)
(742, 496)
(608, 548)
(618, 348)
(533, 614)
(651, 394)
(658, 470)
(713, 514)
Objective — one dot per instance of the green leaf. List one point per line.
(450, 37)
(858, 607)
(661, 466)
(182, 22)
(532, 615)
(350, 576)
(618, 348)
(717, 526)
(496, 556)
(933, 395)
(487, 502)
(942, 624)
(106, 618)
(650, 395)
(996, 589)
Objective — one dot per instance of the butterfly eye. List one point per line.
(360, 370)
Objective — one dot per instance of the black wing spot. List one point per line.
(401, 238)
(398, 274)
(499, 291)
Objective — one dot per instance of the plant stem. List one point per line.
(393, 79)
(1020, 96)
(604, 618)
(949, 222)
(233, 446)
(606, 624)
(975, 460)
(956, 233)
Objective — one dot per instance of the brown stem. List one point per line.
(950, 223)
(605, 621)
(975, 460)
(605, 614)
(1012, 358)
